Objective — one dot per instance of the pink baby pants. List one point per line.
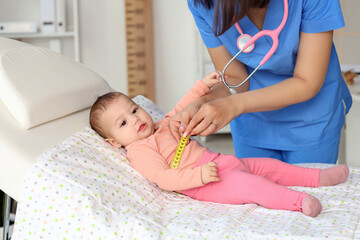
(255, 180)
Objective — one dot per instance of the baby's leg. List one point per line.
(239, 187)
(291, 175)
(281, 172)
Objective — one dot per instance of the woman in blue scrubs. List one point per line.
(293, 108)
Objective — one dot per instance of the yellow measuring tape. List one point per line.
(179, 152)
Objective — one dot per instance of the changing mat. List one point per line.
(83, 188)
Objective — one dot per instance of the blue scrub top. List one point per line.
(302, 126)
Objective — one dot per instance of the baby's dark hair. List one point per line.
(99, 107)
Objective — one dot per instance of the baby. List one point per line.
(203, 174)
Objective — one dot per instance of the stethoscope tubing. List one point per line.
(274, 34)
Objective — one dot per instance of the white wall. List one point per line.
(347, 39)
(176, 51)
(103, 46)
(102, 39)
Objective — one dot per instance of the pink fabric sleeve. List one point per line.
(199, 89)
(155, 168)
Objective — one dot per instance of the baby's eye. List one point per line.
(135, 110)
(123, 123)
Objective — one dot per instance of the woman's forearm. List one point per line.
(309, 75)
(221, 91)
(291, 91)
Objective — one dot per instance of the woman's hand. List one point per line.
(209, 173)
(211, 117)
(180, 120)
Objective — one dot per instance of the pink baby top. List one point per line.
(152, 156)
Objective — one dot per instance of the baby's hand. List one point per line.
(209, 173)
(212, 79)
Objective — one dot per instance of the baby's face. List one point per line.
(125, 122)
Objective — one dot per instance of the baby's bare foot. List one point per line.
(311, 206)
(334, 175)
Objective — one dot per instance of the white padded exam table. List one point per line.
(42, 102)
(19, 148)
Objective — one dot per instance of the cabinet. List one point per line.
(53, 40)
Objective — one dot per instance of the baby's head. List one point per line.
(119, 120)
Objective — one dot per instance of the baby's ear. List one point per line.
(113, 142)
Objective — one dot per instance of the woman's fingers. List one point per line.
(206, 127)
(174, 125)
(196, 121)
(179, 121)
(184, 120)
(209, 130)
(210, 118)
(202, 122)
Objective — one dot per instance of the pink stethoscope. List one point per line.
(246, 44)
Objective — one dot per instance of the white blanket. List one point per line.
(85, 189)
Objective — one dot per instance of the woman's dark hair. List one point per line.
(228, 12)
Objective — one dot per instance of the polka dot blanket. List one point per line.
(85, 189)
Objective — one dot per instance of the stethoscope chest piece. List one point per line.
(242, 40)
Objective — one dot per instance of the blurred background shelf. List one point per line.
(39, 35)
(64, 40)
